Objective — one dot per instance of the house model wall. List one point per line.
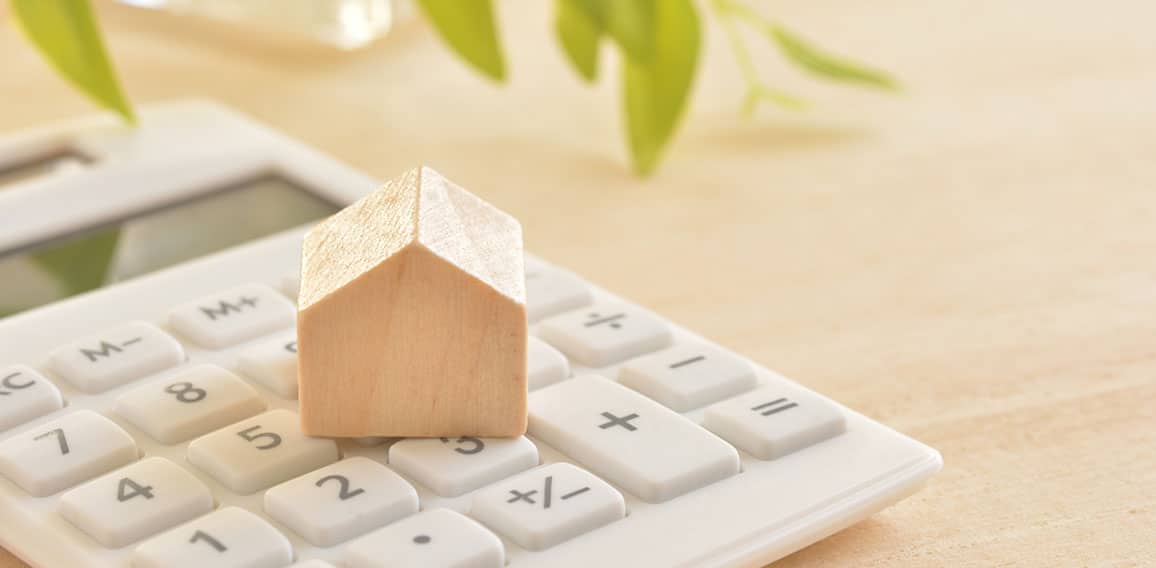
(412, 316)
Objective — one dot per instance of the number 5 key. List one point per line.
(264, 450)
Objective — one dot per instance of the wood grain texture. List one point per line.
(970, 261)
(412, 316)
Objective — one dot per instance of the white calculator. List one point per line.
(148, 392)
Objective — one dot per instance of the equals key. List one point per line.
(774, 406)
(775, 420)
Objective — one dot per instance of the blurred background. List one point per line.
(967, 258)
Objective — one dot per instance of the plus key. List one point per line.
(636, 443)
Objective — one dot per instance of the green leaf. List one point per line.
(655, 93)
(468, 26)
(631, 24)
(809, 57)
(66, 34)
(579, 33)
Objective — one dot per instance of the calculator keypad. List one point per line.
(227, 538)
(25, 394)
(633, 437)
(61, 453)
(341, 501)
(548, 505)
(190, 403)
(433, 538)
(133, 502)
(645, 448)
(116, 356)
(231, 317)
(453, 466)
(264, 450)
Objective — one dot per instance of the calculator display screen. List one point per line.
(133, 246)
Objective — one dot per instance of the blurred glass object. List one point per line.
(55, 164)
(347, 24)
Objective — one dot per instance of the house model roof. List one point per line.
(420, 208)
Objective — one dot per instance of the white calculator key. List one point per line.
(24, 395)
(605, 334)
(133, 502)
(453, 466)
(548, 505)
(292, 285)
(688, 376)
(553, 291)
(775, 420)
(227, 538)
(439, 537)
(642, 446)
(341, 501)
(533, 265)
(264, 450)
(61, 453)
(116, 356)
(273, 363)
(544, 364)
(190, 403)
(234, 316)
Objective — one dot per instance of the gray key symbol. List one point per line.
(611, 321)
(471, 445)
(686, 362)
(623, 421)
(547, 494)
(107, 349)
(774, 406)
(224, 307)
(527, 496)
(10, 384)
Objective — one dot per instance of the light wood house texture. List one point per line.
(413, 316)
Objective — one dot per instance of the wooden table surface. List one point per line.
(972, 262)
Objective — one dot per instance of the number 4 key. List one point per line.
(131, 503)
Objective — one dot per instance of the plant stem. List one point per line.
(727, 12)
